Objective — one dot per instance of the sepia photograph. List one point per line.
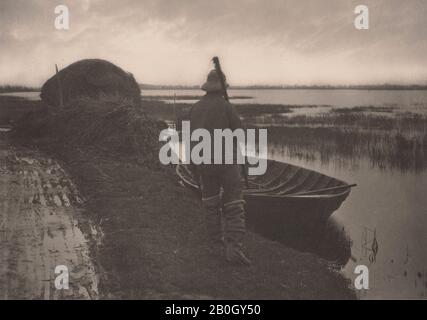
(217, 150)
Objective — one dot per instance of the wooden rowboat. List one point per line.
(286, 197)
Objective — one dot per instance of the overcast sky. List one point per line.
(259, 42)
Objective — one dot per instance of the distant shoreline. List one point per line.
(13, 88)
(302, 87)
(16, 88)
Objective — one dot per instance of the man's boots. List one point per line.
(212, 208)
(234, 216)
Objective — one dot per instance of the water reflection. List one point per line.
(384, 221)
(370, 247)
(329, 241)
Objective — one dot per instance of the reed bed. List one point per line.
(376, 109)
(400, 121)
(387, 138)
(109, 123)
(384, 149)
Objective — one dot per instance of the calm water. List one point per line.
(390, 206)
(406, 100)
(403, 100)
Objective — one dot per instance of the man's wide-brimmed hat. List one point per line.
(213, 82)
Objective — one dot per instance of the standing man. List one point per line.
(220, 184)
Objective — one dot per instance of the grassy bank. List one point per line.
(14, 108)
(154, 243)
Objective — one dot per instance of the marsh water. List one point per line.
(385, 216)
(405, 100)
(388, 208)
(323, 99)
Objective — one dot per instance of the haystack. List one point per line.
(91, 78)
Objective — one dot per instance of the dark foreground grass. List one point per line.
(155, 243)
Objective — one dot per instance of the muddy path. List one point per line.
(41, 223)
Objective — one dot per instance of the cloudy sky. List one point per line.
(259, 42)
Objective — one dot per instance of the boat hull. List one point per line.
(274, 216)
(288, 199)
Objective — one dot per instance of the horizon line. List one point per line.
(150, 86)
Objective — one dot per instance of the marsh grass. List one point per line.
(398, 141)
(377, 109)
(110, 123)
(384, 149)
(400, 121)
(388, 139)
